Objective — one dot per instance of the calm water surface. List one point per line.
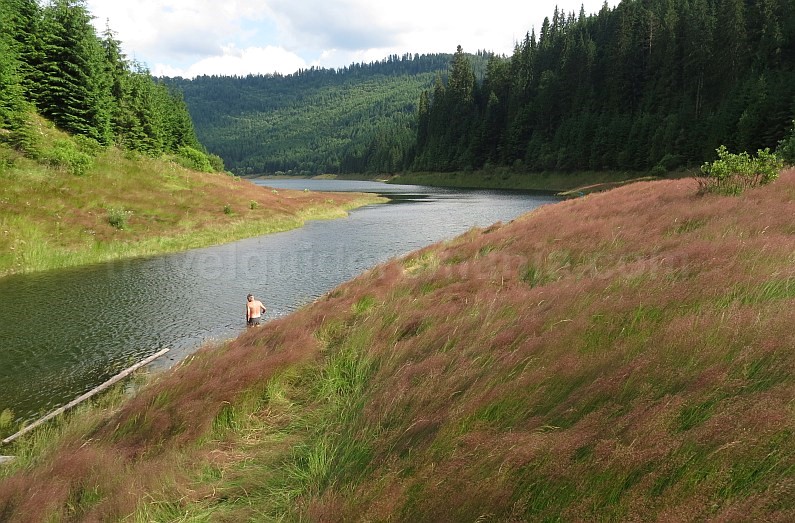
(64, 332)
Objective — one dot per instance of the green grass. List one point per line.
(292, 454)
(689, 225)
(123, 206)
(771, 290)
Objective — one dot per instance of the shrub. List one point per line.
(21, 135)
(659, 170)
(733, 173)
(87, 145)
(65, 154)
(193, 159)
(216, 162)
(6, 159)
(6, 418)
(671, 162)
(117, 217)
(227, 209)
(252, 205)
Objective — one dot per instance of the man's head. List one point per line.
(250, 297)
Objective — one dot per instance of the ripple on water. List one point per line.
(64, 332)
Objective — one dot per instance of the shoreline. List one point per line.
(562, 184)
(180, 242)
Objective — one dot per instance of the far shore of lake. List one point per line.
(566, 185)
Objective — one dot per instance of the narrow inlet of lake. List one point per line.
(64, 332)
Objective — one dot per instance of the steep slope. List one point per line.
(623, 356)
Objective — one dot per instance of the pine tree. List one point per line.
(23, 27)
(698, 26)
(731, 37)
(13, 107)
(422, 121)
(73, 87)
(771, 38)
(178, 126)
(135, 116)
(460, 97)
(117, 70)
(10, 89)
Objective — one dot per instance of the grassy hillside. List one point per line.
(624, 356)
(80, 204)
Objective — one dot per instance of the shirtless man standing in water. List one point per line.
(254, 310)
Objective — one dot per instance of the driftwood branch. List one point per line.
(120, 376)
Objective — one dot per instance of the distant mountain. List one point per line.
(316, 120)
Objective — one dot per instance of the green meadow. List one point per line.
(121, 204)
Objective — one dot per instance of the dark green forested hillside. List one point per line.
(316, 120)
(648, 84)
(53, 62)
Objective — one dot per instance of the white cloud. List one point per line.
(238, 62)
(339, 24)
(175, 28)
(209, 37)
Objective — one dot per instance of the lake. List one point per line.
(64, 332)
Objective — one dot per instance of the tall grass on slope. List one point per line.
(623, 356)
(124, 206)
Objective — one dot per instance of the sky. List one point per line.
(189, 38)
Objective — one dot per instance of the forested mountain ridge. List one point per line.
(646, 85)
(316, 120)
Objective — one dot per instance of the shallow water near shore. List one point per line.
(64, 332)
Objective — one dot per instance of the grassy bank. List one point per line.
(124, 206)
(626, 356)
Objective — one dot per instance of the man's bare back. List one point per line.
(254, 310)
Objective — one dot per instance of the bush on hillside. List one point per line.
(65, 154)
(733, 173)
(117, 217)
(87, 145)
(216, 162)
(6, 159)
(6, 418)
(24, 139)
(191, 158)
